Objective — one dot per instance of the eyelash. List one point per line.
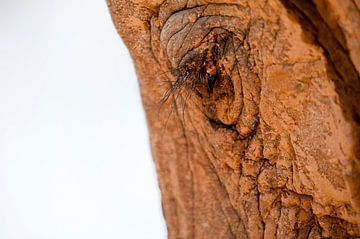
(200, 70)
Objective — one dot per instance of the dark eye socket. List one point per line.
(202, 70)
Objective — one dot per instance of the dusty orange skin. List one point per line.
(259, 136)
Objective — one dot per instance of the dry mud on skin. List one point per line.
(253, 111)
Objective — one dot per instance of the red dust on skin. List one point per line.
(210, 69)
(293, 169)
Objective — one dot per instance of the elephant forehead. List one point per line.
(186, 29)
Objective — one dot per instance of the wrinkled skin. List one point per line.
(253, 113)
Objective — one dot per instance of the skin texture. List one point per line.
(253, 113)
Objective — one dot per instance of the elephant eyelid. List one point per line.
(199, 73)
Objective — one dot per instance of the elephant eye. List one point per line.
(203, 68)
(210, 67)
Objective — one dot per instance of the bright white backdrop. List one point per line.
(74, 153)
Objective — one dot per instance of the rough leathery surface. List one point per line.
(253, 114)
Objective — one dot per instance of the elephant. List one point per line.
(253, 112)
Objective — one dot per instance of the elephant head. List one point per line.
(253, 113)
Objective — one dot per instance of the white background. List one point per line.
(74, 154)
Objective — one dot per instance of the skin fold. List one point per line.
(253, 113)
